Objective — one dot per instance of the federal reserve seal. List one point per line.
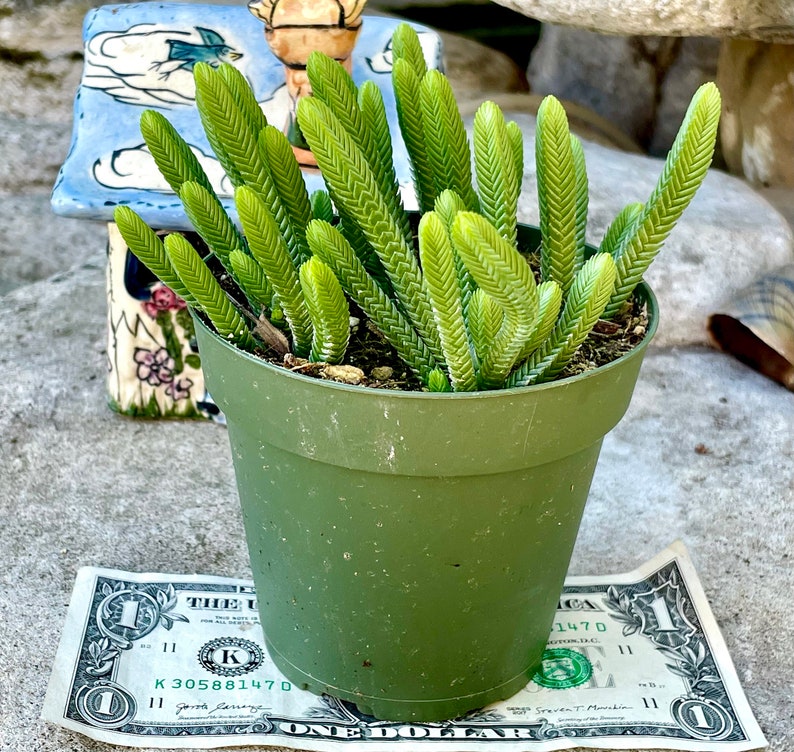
(230, 656)
(562, 668)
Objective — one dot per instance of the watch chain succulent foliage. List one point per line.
(461, 305)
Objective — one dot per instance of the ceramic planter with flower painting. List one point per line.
(408, 546)
(155, 368)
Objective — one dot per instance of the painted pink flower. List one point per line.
(179, 389)
(154, 368)
(163, 299)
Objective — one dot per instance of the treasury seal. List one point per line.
(230, 656)
(562, 668)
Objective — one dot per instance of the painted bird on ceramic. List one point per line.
(213, 50)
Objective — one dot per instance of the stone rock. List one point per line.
(40, 60)
(582, 120)
(474, 69)
(604, 73)
(35, 244)
(727, 237)
(33, 152)
(36, 92)
(782, 198)
(40, 64)
(694, 64)
(40, 89)
(641, 84)
(757, 85)
(397, 5)
(74, 471)
(685, 18)
(44, 30)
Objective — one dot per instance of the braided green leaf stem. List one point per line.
(445, 139)
(556, 193)
(208, 293)
(208, 216)
(226, 128)
(405, 45)
(330, 245)
(333, 86)
(584, 305)
(355, 191)
(230, 127)
(328, 309)
(270, 251)
(582, 200)
(684, 170)
(364, 250)
(516, 139)
(616, 233)
(373, 114)
(550, 301)
(438, 264)
(407, 85)
(437, 381)
(290, 188)
(148, 247)
(252, 280)
(484, 318)
(495, 164)
(363, 116)
(244, 97)
(173, 156)
(504, 274)
(322, 207)
(447, 206)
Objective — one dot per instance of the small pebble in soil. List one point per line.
(343, 374)
(381, 373)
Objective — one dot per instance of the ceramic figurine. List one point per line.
(295, 28)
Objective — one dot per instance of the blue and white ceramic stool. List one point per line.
(140, 56)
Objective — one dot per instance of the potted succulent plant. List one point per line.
(408, 545)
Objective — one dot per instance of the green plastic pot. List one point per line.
(409, 549)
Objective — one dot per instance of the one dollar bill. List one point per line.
(634, 661)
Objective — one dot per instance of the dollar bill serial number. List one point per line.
(227, 685)
(579, 626)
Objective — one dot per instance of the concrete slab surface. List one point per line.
(704, 454)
